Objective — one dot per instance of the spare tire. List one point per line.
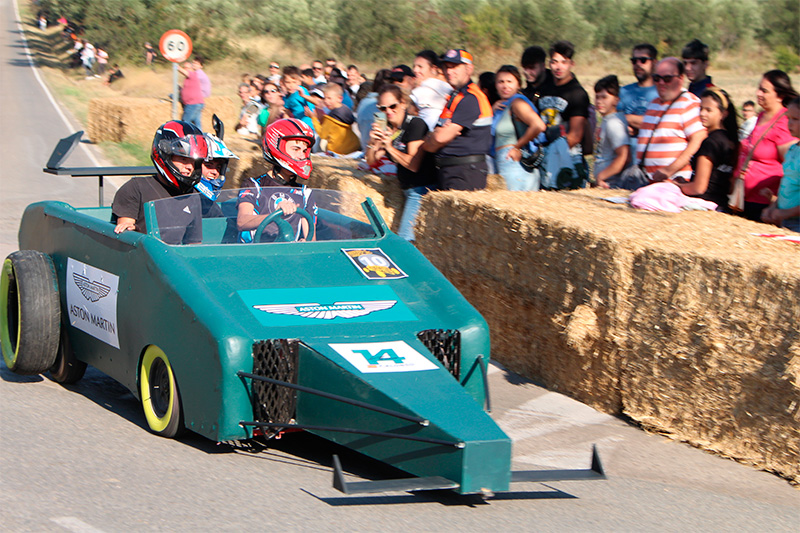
(30, 312)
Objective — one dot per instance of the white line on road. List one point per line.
(44, 86)
(76, 525)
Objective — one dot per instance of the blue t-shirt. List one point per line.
(296, 105)
(789, 190)
(633, 100)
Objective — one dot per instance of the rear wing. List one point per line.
(63, 150)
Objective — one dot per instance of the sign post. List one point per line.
(175, 46)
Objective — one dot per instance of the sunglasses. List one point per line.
(641, 60)
(666, 78)
(269, 91)
(274, 66)
(390, 106)
(316, 68)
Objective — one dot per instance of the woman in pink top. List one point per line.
(765, 171)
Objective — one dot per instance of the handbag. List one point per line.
(635, 176)
(736, 196)
(530, 160)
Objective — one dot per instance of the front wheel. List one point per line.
(30, 312)
(159, 394)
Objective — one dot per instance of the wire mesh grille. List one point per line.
(445, 345)
(276, 359)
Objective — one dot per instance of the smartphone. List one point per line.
(380, 120)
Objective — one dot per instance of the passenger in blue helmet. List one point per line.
(214, 167)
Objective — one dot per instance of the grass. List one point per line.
(736, 72)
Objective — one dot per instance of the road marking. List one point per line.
(76, 525)
(44, 86)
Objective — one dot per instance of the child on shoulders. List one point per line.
(335, 128)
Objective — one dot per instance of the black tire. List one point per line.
(158, 393)
(66, 369)
(30, 312)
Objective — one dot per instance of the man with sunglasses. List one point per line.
(634, 98)
(671, 125)
(319, 72)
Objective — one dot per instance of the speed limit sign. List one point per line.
(175, 46)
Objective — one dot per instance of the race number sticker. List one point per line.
(373, 263)
(375, 357)
(92, 301)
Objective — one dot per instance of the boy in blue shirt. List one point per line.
(297, 99)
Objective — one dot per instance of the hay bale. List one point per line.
(127, 119)
(685, 322)
(123, 119)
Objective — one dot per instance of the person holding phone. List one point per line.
(399, 136)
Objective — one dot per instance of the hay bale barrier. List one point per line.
(686, 323)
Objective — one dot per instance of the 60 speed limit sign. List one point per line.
(175, 46)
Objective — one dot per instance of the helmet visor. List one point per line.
(192, 146)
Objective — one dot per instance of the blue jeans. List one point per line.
(410, 210)
(517, 178)
(192, 114)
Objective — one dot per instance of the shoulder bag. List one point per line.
(736, 196)
(635, 176)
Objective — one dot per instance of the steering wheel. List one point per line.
(285, 230)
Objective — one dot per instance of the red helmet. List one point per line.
(178, 138)
(273, 145)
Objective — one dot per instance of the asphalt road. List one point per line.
(79, 458)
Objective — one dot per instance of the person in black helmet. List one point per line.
(178, 152)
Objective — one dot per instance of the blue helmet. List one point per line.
(210, 186)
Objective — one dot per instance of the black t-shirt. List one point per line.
(721, 151)
(178, 221)
(413, 129)
(559, 103)
(343, 114)
(533, 92)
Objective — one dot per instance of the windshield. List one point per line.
(260, 215)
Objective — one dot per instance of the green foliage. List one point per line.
(543, 22)
(372, 30)
(786, 59)
(781, 23)
(488, 27)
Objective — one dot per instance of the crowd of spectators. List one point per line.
(438, 125)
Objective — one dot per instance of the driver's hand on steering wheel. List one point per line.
(288, 207)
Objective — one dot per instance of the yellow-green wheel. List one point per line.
(30, 312)
(159, 394)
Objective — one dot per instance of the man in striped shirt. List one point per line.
(673, 121)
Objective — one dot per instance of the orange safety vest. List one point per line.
(485, 118)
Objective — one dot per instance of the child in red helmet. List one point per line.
(287, 145)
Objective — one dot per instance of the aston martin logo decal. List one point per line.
(330, 311)
(91, 290)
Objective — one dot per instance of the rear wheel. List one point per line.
(30, 312)
(159, 394)
(66, 369)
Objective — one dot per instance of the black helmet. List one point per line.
(178, 138)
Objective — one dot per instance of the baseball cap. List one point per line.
(456, 56)
(401, 71)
